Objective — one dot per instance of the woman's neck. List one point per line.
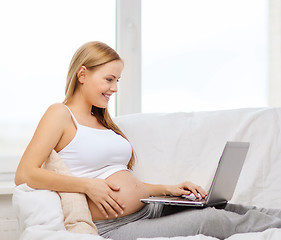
(78, 104)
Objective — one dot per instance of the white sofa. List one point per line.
(174, 147)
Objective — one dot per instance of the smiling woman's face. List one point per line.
(99, 84)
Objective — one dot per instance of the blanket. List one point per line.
(41, 218)
(77, 216)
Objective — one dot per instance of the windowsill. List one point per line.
(7, 188)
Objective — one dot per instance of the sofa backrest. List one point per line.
(175, 147)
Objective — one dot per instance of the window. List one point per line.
(196, 55)
(204, 55)
(38, 39)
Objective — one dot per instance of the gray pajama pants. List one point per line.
(155, 220)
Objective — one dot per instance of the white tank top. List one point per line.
(96, 153)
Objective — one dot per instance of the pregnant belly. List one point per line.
(130, 193)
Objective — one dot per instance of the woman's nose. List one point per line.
(114, 87)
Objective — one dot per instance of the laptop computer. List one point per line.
(224, 181)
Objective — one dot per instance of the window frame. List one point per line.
(128, 41)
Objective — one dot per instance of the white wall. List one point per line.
(274, 85)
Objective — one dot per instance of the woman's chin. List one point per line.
(104, 105)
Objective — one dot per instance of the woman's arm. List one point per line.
(49, 132)
(47, 135)
(184, 188)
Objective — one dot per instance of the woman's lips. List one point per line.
(107, 96)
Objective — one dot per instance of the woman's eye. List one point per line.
(110, 80)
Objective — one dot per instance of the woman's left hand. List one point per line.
(186, 188)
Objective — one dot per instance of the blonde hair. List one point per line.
(91, 55)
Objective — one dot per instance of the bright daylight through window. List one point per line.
(38, 39)
(204, 55)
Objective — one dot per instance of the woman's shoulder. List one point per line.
(52, 124)
(57, 112)
(57, 108)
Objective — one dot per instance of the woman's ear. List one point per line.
(81, 74)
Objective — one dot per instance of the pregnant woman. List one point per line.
(100, 158)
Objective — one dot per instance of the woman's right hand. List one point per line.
(102, 194)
